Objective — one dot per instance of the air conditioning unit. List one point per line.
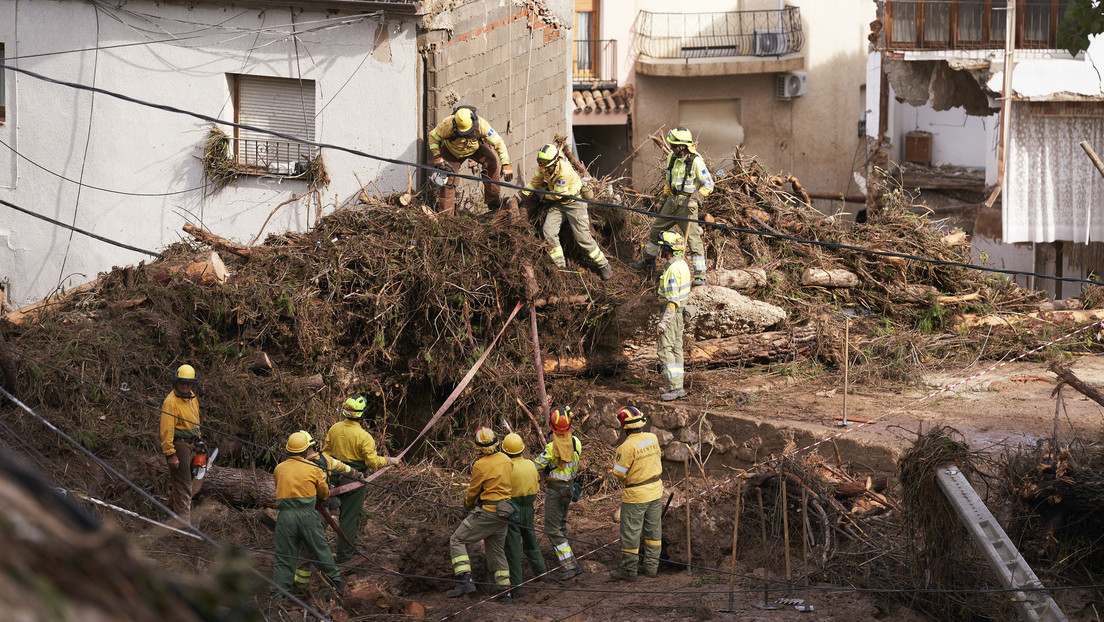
(769, 43)
(789, 84)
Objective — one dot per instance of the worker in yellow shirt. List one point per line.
(638, 466)
(520, 536)
(466, 136)
(674, 290)
(488, 502)
(350, 443)
(180, 440)
(684, 174)
(300, 483)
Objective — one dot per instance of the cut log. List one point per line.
(215, 241)
(955, 238)
(912, 292)
(579, 299)
(251, 488)
(309, 383)
(1069, 304)
(208, 272)
(259, 363)
(836, 277)
(565, 148)
(1072, 380)
(127, 304)
(748, 278)
(950, 300)
(972, 320)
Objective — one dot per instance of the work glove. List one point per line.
(507, 172)
(438, 161)
(394, 460)
(587, 192)
(667, 190)
(173, 460)
(332, 503)
(664, 321)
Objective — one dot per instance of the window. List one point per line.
(284, 105)
(971, 24)
(715, 124)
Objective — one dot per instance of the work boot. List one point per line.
(698, 281)
(505, 598)
(606, 272)
(618, 574)
(465, 586)
(570, 572)
(647, 264)
(673, 394)
(651, 574)
(339, 587)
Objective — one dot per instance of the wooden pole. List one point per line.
(846, 365)
(786, 529)
(735, 533)
(686, 480)
(763, 534)
(805, 538)
(537, 358)
(1100, 167)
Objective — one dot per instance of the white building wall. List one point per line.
(366, 85)
(957, 138)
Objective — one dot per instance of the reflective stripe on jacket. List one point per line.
(558, 469)
(685, 180)
(674, 284)
(465, 146)
(349, 442)
(563, 180)
(639, 459)
(299, 482)
(491, 480)
(179, 417)
(523, 479)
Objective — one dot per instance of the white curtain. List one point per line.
(1053, 191)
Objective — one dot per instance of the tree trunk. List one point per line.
(215, 241)
(1069, 378)
(240, 487)
(829, 278)
(749, 278)
(308, 383)
(259, 363)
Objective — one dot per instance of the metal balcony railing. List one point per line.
(595, 61)
(272, 157)
(969, 24)
(732, 33)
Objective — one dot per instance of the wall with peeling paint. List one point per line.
(366, 71)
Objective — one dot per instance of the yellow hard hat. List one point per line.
(512, 445)
(354, 407)
(185, 373)
(672, 241)
(680, 136)
(464, 120)
(486, 440)
(299, 442)
(548, 155)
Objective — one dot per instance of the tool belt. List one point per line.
(647, 481)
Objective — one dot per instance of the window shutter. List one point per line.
(279, 104)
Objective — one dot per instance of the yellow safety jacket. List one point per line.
(563, 180)
(179, 421)
(350, 443)
(523, 480)
(638, 466)
(298, 483)
(674, 284)
(558, 469)
(684, 176)
(491, 481)
(465, 146)
(328, 463)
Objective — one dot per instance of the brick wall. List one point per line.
(498, 58)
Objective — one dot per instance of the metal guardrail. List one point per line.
(731, 33)
(595, 61)
(271, 157)
(968, 24)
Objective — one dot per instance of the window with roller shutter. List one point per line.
(284, 105)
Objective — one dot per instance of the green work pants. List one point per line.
(635, 519)
(481, 525)
(682, 206)
(352, 510)
(557, 500)
(522, 538)
(295, 526)
(669, 349)
(575, 213)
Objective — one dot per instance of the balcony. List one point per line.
(595, 63)
(718, 44)
(969, 24)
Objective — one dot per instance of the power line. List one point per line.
(79, 230)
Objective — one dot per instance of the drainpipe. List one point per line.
(1006, 101)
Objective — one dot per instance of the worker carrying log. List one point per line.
(638, 465)
(674, 290)
(349, 442)
(300, 483)
(555, 174)
(466, 136)
(181, 440)
(684, 174)
(490, 512)
(559, 464)
(520, 536)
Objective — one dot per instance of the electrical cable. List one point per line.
(643, 212)
(79, 230)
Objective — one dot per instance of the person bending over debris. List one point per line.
(520, 535)
(350, 443)
(555, 174)
(488, 501)
(466, 136)
(674, 289)
(638, 466)
(300, 483)
(559, 464)
(181, 440)
(685, 173)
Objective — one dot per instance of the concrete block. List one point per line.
(677, 452)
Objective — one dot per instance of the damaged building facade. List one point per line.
(1010, 169)
(367, 76)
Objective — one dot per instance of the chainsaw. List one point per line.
(201, 462)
